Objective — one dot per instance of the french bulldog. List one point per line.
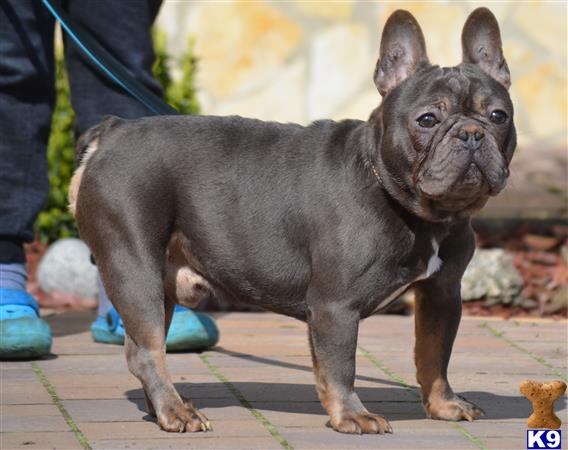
(326, 223)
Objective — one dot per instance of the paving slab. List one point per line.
(190, 442)
(39, 440)
(257, 388)
(148, 430)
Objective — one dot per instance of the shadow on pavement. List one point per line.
(394, 403)
(287, 365)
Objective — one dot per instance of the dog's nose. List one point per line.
(471, 135)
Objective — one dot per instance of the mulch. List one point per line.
(540, 254)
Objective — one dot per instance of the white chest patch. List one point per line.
(434, 264)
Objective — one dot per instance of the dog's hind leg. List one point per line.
(127, 223)
(169, 307)
(126, 278)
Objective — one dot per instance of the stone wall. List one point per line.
(299, 61)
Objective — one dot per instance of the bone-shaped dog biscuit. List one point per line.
(542, 395)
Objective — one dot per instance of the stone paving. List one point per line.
(257, 388)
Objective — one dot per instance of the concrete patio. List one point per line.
(257, 388)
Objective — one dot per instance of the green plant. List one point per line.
(55, 221)
(181, 94)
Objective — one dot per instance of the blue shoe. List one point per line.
(23, 335)
(189, 330)
(109, 329)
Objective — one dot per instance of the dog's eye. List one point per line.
(427, 120)
(498, 117)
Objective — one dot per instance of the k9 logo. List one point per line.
(544, 439)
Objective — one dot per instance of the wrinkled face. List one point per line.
(454, 129)
(445, 135)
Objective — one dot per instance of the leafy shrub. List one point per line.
(55, 221)
(181, 94)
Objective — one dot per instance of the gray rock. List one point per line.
(558, 302)
(66, 267)
(527, 303)
(491, 275)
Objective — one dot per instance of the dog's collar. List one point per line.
(375, 172)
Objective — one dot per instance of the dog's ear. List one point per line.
(403, 51)
(481, 45)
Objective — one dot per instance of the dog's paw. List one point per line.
(457, 408)
(364, 423)
(183, 417)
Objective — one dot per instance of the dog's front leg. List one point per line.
(438, 313)
(333, 341)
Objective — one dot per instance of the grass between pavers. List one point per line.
(57, 402)
(415, 391)
(243, 401)
(501, 335)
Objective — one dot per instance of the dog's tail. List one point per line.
(87, 144)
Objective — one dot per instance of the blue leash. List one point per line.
(107, 63)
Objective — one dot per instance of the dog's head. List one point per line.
(446, 135)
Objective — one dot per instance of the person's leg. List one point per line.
(124, 29)
(27, 95)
